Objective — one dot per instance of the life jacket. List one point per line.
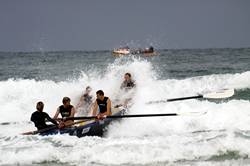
(102, 104)
(65, 112)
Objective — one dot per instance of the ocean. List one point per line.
(221, 136)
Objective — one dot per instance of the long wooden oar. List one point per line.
(223, 93)
(50, 128)
(138, 115)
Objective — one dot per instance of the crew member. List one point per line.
(103, 104)
(66, 110)
(39, 117)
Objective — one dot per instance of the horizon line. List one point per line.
(105, 50)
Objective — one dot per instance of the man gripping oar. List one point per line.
(103, 104)
(66, 110)
(39, 117)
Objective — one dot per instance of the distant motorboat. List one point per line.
(121, 51)
(127, 51)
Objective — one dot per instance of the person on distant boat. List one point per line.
(149, 50)
(128, 83)
(103, 104)
(85, 103)
(66, 110)
(39, 117)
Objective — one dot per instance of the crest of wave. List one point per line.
(19, 97)
(224, 114)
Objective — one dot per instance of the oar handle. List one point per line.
(78, 118)
(81, 117)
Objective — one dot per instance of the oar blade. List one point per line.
(193, 113)
(224, 93)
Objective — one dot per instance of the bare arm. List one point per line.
(109, 107)
(56, 114)
(51, 120)
(80, 102)
(122, 86)
(95, 109)
(73, 111)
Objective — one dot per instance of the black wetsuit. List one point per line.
(65, 112)
(39, 119)
(102, 104)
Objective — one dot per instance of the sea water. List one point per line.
(210, 132)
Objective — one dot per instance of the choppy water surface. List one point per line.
(221, 136)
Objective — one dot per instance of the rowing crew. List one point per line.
(101, 108)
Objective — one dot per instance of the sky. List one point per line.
(59, 25)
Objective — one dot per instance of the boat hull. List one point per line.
(88, 128)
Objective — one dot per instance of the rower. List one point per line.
(102, 103)
(128, 82)
(151, 49)
(127, 85)
(66, 110)
(39, 117)
(85, 102)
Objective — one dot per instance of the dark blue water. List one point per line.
(65, 65)
(218, 136)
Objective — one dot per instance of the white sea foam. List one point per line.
(129, 141)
